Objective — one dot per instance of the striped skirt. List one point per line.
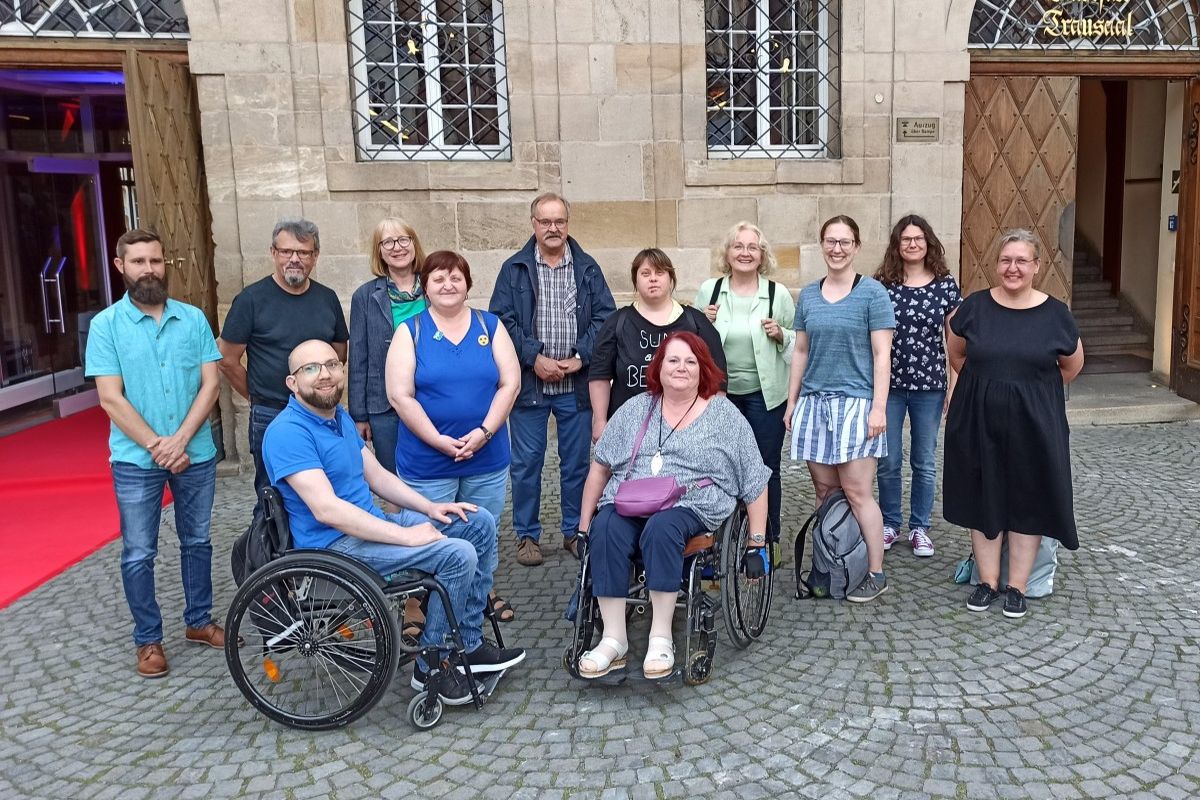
(831, 428)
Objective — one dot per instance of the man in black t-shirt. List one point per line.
(269, 318)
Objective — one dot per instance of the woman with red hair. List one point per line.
(680, 428)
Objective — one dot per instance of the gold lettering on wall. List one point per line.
(1056, 24)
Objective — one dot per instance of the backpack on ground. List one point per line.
(1041, 577)
(268, 537)
(839, 554)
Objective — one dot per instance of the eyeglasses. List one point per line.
(1020, 262)
(551, 223)
(396, 241)
(833, 244)
(314, 369)
(738, 247)
(907, 240)
(288, 252)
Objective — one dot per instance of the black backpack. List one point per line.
(268, 537)
(839, 557)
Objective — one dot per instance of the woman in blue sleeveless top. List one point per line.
(452, 376)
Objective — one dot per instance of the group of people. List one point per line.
(447, 403)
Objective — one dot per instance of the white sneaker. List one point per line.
(922, 545)
(889, 537)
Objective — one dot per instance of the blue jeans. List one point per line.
(486, 491)
(383, 438)
(463, 563)
(139, 500)
(527, 432)
(260, 417)
(660, 538)
(924, 410)
(767, 425)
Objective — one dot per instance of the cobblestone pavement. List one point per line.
(1096, 693)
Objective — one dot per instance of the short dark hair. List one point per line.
(710, 374)
(657, 259)
(844, 220)
(445, 260)
(136, 236)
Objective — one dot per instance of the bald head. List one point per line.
(309, 352)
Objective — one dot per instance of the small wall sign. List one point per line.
(918, 129)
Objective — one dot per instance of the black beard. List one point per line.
(148, 290)
(316, 400)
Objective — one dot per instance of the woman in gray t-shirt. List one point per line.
(691, 433)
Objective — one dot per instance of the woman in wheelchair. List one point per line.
(681, 429)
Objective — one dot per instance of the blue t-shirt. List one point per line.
(159, 366)
(918, 353)
(455, 385)
(298, 440)
(839, 337)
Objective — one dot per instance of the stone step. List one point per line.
(1095, 303)
(1121, 339)
(1103, 323)
(1086, 274)
(1091, 287)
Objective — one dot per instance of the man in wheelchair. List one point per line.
(326, 474)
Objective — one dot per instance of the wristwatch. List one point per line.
(757, 539)
(487, 435)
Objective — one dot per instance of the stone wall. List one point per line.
(607, 104)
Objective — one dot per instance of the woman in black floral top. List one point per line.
(924, 294)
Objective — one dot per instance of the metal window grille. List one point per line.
(773, 78)
(110, 19)
(1055, 25)
(428, 79)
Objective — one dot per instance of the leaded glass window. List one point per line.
(773, 78)
(1129, 25)
(428, 79)
(111, 19)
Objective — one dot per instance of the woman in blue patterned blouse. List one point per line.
(924, 294)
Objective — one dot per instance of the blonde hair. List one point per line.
(765, 266)
(1021, 235)
(378, 267)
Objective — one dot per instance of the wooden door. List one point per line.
(164, 124)
(1185, 341)
(1021, 137)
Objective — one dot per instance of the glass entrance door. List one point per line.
(53, 274)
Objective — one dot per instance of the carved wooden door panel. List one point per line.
(1021, 137)
(1185, 340)
(164, 124)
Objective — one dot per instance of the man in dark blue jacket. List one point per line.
(553, 299)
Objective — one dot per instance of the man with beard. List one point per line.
(270, 317)
(326, 474)
(155, 364)
(552, 298)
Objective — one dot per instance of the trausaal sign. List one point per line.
(1087, 19)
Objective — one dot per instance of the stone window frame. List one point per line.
(701, 170)
(429, 105)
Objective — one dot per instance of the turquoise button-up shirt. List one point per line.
(159, 363)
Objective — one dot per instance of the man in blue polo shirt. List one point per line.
(155, 364)
(326, 474)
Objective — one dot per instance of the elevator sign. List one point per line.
(917, 129)
(1098, 20)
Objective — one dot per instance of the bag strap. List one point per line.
(716, 291)
(802, 590)
(641, 434)
(857, 278)
(771, 298)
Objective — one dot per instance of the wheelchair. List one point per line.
(312, 640)
(713, 558)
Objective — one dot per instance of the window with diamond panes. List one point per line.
(111, 19)
(773, 78)
(428, 79)
(1121, 25)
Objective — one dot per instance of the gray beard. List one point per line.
(294, 280)
(147, 290)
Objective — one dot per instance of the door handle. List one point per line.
(60, 320)
(45, 299)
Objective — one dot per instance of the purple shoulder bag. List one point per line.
(641, 497)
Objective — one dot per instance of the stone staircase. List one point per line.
(1106, 324)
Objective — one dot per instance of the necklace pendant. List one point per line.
(656, 463)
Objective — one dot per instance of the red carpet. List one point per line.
(56, 500)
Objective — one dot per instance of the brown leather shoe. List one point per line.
(529, 552)
(152, 661)
(571, 545)
(211, 634)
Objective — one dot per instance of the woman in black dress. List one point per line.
(1008, 459)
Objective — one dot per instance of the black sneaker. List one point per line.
(982, 598)
(868, 590)
(1014, 604)
(490, 658)
(451, 684)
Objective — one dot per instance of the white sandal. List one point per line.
(603, 663)
(660, 658)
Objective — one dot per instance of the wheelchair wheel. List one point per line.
(745, 604)
(424, 711)
(587, 617)
(319, 641)
(700, 643)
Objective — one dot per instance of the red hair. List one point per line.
(710, 374)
